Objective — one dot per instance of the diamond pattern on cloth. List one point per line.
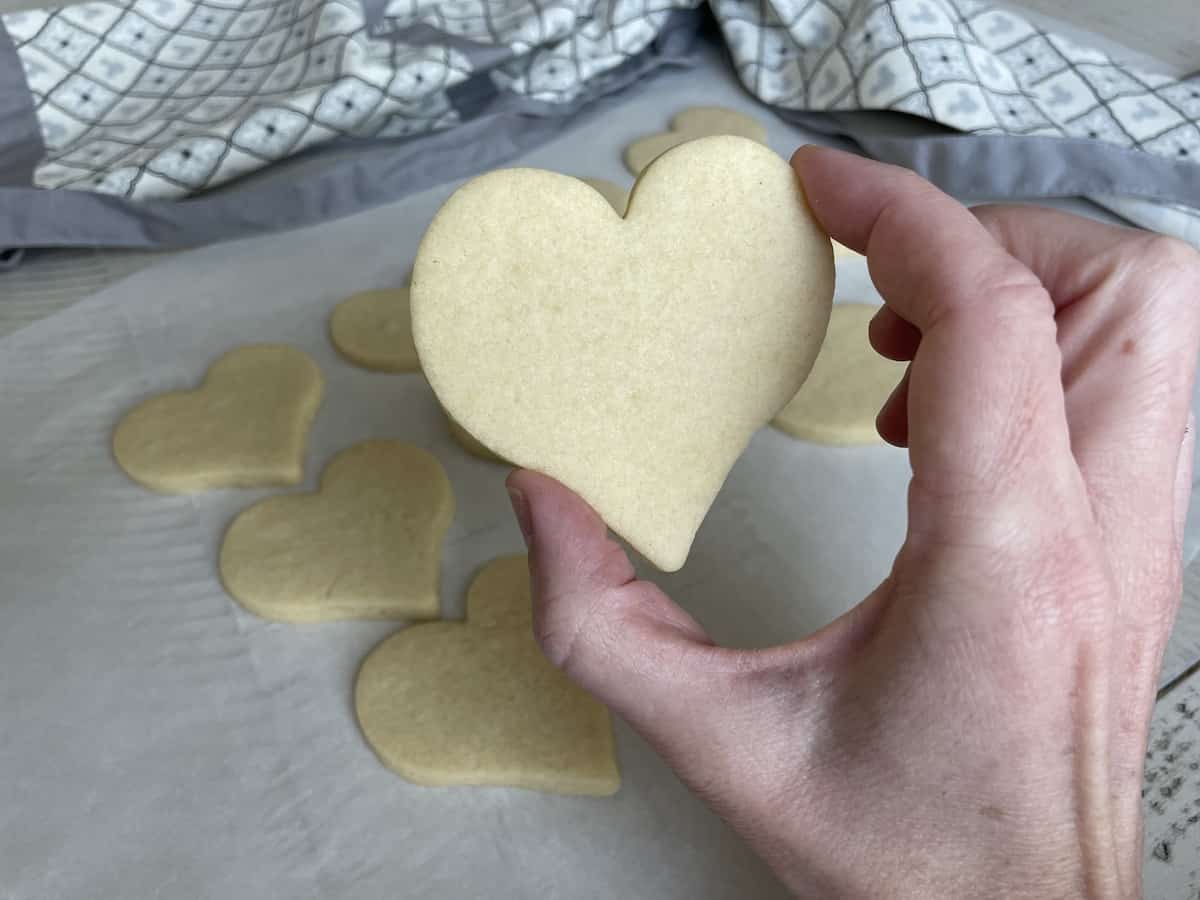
(961, 63)
(555, 48)
(168, 98)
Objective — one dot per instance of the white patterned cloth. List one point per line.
(152, 99)
(958, 62)
(165, 98)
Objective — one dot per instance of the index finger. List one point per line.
(986, 417)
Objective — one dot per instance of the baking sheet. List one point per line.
(157, 740)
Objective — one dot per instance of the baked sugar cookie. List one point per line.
(611, 191)
(630, 359)
(246, 425)
(697, 122)
(468, 442)
(476, 702)
(373, 329)
(847, 385)
(367, 545)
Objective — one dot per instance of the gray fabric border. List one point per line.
(22, 146)
(347, 177)
(979, 166)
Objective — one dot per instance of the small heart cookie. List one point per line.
(451, 703)
(246, 425)
(847, 386)
(367, 545)
(373, 329)
(631, 359)
(700, 121)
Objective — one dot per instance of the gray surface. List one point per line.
(1003, 166)
(1166, 33)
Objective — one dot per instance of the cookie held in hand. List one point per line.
(697, 122)
(630, 359)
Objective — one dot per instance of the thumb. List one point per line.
(621, 639)
(706, 710)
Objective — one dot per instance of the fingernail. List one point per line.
(521, 510)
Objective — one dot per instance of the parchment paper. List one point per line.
(157, 740)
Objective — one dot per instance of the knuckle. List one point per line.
(1158, 283)
(1170, 255)
(567, 628)
(995, 217)
(573, 611)
(1168, 274)
(1015, 301)
(907, 180)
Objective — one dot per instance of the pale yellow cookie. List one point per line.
(246, 425)
(631, 359)
(477, 702)
(847, 385)
(618, 197)
(700, 121)
(367, 545)
(374, 330)
(468, 442)
(611, 191)
(841, 251)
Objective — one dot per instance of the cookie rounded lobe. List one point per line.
(469, 442)
(246, 425)
(690, 124)
(373, 329)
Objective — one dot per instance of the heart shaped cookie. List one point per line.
(468, 441)
(697, 122)
(847, 386)
(631, 359)
(367, 545)
(373, 329)
(610, 191)
(841, 251)
(246, 425)
(477, 702)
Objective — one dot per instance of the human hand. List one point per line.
(977, 726)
